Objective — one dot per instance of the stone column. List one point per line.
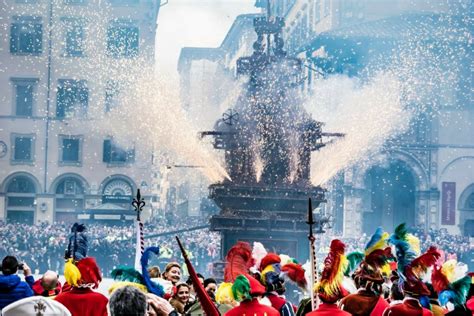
(3, 207)
(44, 208)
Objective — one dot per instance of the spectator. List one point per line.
(172, 272)
(180, 298)
(154, 272)
(126, 301)
(48, 285)
(11, 287)
(210, 285)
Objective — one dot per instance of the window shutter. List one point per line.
(14, 30)
(107, 150)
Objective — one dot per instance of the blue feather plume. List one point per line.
(375, 238)
(405, 253)
(153, 287)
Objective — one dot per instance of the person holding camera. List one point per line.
(11, 287)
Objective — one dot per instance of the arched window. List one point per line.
(469, 204)
(21, 203)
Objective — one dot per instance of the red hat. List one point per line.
(256, 288)
(90, 273)
(270, 258)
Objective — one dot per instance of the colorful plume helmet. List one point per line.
(375, 266)
(80, 270)
(125, 276)
(410, 265)
(329, 287)
(224, 294)
(452, 282)
(270, 269)
(411, 280)
(238, 261)
(246, 287)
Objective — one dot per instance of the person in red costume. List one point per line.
(329, 289)
(369, 279)
(48, 285)
(270, 268)
(246, 289)
(411, 270)
(82, 275)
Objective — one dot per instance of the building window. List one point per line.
(74, 42)
(112, 91)
(26, 35)
(20, 200)
(23, 148)
(115, 154)
(122, 40)
(24, 93)
(72, 99)
(70, 150)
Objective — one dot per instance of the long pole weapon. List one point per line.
(138, 204)
(312, 254)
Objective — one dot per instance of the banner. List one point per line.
(448, 203)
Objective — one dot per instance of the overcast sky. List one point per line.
(198, 23)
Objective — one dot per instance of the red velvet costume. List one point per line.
(409, 307)
(364, 303)
(328, 310)
(252, 308)
(84, 301)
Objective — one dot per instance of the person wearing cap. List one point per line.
(36, 305)
(369, 279)
(83, 275)
(11, 287)
(329, 289)
(247, 290)
(270, 270)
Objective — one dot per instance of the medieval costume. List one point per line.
(246, 289)
(369, 277)
(411, 270)
(82, 275)
(452, 284)
(329, 288)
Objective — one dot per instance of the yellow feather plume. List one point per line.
(224, 294)
(381, 244)
(414, 243)
(448, 269)
(120, 284)
(71, 273)
(331, 287)
(269, 268)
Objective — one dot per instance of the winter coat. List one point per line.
(13, 289)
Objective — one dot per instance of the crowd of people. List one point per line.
(42, 245)
(405, 272)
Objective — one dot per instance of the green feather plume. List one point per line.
(354, 258)
(127, 274)
(241, 288)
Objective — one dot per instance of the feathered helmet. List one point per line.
(329, 288)
(80, 270)
(237, 275)
(410, 264)
(375, 265)
(129, 276)
(452, 282)
(275, 269)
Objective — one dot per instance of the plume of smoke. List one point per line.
(368, 114)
